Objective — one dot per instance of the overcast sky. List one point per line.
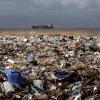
(67, 13)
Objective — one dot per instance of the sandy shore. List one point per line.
(28, 32)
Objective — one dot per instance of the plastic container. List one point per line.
(8, 88)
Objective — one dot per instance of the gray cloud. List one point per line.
(82, 4)
(49, 4)
(70, 13)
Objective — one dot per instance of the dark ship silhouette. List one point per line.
(50, 26)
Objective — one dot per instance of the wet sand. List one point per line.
(59, 31)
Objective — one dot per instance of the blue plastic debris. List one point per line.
(15, 77)
(63, 74)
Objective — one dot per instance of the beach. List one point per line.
(53, 64)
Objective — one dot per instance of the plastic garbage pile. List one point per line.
(44, 67)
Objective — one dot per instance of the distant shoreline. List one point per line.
(44, 29)
(61, 31)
